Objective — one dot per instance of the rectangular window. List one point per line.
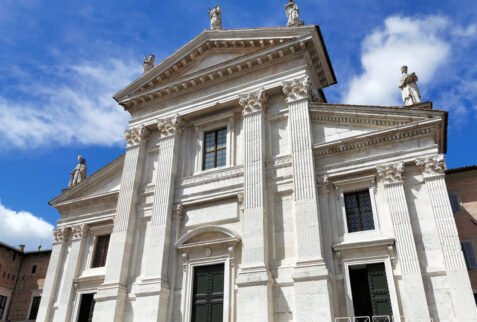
(469, 255)
(208, 294)
(86, 308)
(215, 148)
(100, 251)
(3, 304)
(35, 305)
(454, 201)
(359, 212)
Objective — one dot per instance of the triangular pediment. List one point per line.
(216, 54)
(103, 182)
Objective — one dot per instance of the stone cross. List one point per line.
(148, 63)
(79, 172)
(215, 16)
(409, 90)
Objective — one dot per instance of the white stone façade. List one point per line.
(274, 215)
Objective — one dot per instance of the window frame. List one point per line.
(95, 248)
(216, 150)
(224, 120)
(354, 185)
(356, 193)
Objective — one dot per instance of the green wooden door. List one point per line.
(208, 293)
(378, 289)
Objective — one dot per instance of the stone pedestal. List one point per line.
(311, 278)
(154, 288)
(414, 291)
(254, 279)
(457, 277)
(51, 281)
(111, 296)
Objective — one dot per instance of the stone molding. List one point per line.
(60, 234)
(136, 135)
(297, 89)
(170, 126)
(253, 102)
(279, 162)
(207, 177)
(432, 165)
(371, 140)
(391, 173)
(355, 120)
(240, 200)
(79, 231)
(90, 201)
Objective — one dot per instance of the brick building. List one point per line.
(462, 187)
(22, 275)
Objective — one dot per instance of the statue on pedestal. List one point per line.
(215, 16)
(148, 63)
(79, 172)
(293, 14)
(408, 86)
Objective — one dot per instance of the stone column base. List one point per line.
(110, 303)
(312, 292)
(254, 296)
(152, 300)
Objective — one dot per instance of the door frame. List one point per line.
(389, 278)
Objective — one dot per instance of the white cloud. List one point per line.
(76, 107)
(22, 227)
(415, 42)
(459, 31)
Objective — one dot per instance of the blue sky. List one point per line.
(63, 60)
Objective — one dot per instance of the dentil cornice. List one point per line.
(253, 102)
(391, 173)
(297, 89)
(170, 126)
(431, 165)
(136, 135)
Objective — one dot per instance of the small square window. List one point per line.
(359, 212)
(215, 149)
(100, 251)
(33, 270)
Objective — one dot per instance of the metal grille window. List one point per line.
(215, 148)
(100, 251)
(359, 213)
(35, 304)
(469, 255)
(3, 304)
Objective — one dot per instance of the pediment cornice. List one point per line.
(257, 47)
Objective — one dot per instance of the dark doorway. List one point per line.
(370, 291)
(86, 308)
(208, 294)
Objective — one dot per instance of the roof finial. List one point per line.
(293, 14)
(215, 16)
(409, 90)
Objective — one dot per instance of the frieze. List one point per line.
(75, 204)
(207, 177)
(354, 120)
(432, 165)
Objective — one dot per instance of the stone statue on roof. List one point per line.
(293, 14)
(215, 16)
(410, 91)
(79, 172)
(148, 63)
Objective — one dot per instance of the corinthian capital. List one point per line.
(253, 102)
(60, 235)
(431, 166)
(80, 231)
(135, 135)
(391, 173)
(170, 125)
(297, 89)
